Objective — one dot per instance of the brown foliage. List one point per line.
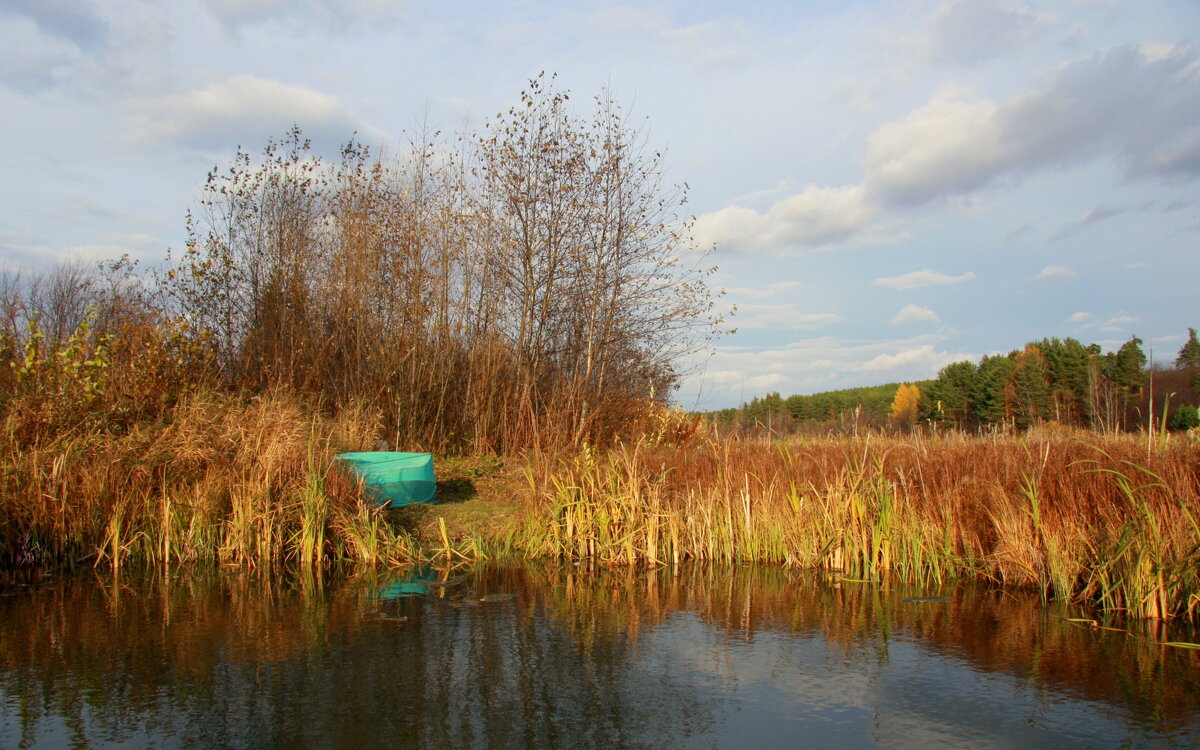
(529, 289)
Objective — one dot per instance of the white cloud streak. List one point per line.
(1055, 273)
(915, 314)
(781, 316)
(922, 278)
(1119, 322)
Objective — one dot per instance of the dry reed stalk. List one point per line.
(219, 479)
(1096, 522)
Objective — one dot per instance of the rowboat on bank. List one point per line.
(393, 479)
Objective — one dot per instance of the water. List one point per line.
(548, 656)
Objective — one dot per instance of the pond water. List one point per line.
(551, 656)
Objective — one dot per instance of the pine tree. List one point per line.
(950, 394)
(1189, 355)
(1029, 387)
(990, 399)
(1126, 368)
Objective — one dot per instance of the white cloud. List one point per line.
(736, 374)
(1079, 317)
(924, 277)
(1142, 111)
(755, 384)
(913, 314)
(813, 218)
(951, 145)
(924, 359)
(246, 109)
(1055, 273)
(781, 316)
(1118, 322)
(967, 31)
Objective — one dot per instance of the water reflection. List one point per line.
(547, 656)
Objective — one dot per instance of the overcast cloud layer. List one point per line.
(890, 186)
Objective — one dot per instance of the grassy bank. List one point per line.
(1104, 520)
(1083, 517)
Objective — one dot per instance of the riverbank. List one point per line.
(1102, 520)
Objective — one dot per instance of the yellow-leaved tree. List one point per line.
(906, 406)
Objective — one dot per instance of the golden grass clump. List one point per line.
(218, 478)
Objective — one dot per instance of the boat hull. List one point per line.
(392, 478)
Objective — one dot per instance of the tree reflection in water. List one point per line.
(693, 656)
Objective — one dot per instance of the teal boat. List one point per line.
(394, 479)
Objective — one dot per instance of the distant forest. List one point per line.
(1052, 380)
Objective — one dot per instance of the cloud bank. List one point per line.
(245, 109)
(1135, 105)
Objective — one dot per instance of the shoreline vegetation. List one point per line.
(519, 297)
(1105, 521)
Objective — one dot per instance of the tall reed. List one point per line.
(1099, 522)
(218, 479)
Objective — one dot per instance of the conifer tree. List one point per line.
(989, 396)
(1068, 366)
(950, 395)
(1029, 387)
(1126, 367)
(1189, 355)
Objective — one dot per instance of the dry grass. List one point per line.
(94, 473)
(1078, 516)
(218, 479)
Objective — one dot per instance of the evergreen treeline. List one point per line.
(869, 405)
(1052, 380)
(1064, 381)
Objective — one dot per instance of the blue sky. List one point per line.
(891, 186)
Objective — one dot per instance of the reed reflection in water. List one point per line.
(547, 656)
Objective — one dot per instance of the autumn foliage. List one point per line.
(906, 406)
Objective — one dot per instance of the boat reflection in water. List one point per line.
(552, 656)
